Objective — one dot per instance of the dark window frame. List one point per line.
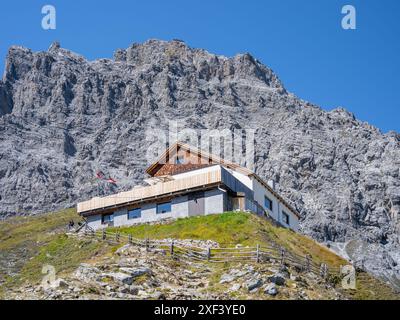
(137, 216)
(161, 204)
(180, 160)
(104, 221)
(271, 206)
(286, 217)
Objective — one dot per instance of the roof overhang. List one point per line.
(276, 194)
(156, 198)
(207, 157)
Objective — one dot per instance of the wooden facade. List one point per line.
(157, 190)
(181, 157)
(179, 162)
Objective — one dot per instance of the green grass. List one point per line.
(31, 242)
(64, 254)
(19, 230)
(232, 228)
(225, 228)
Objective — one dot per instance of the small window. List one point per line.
(268, 203)
(164, 207)
(134, 213)
(286, 218)
(107, 218)
(180, 160)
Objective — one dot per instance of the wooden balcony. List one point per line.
(214, 176)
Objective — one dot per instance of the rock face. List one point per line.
(62, 118)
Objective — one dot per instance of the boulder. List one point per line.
(120, 277)
(235, 287)
(124, 250)
(86, 272)
(158, 296)
(134, 289)
(59, 283)
(136, 272)
(278, 279)
(226, 278)
(253, 284)
(284, 271)
(271, 289)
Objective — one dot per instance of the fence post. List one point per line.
(258, 253)
(307, 266)
(208, 253)
(322, 270)
(147, 244)
(326, 271)
(172, 248)
(130, 239)
(282, 256)
(117, 237)
(103, 236)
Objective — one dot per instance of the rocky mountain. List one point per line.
(62, 118)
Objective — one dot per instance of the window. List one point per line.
(107, 218)
(164, 207)
(134, 213)
(268, 203)
(180, 160)
(285, 217)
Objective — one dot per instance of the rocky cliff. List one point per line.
(62, 118)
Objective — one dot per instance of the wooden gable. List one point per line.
(181, 157)
(179, 160)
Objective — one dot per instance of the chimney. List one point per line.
(271, 183)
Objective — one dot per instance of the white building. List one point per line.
(185, 182)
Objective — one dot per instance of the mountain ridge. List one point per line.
(63, 117)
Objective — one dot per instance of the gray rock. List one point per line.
(235, 287)
(123, 250)
(134, 289)
(136, 272)
(120, 277)
(226, 278)
(271, 289)
(60, 283)
(124, 289)
(87, 273)
(121, 295)
(158, 296)
(278, 279)
(284, 271)
(63, 118)
(253, 284)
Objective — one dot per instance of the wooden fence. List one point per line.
(257, 254)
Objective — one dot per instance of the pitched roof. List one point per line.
(213, 159)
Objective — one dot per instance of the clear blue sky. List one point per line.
(301, 40)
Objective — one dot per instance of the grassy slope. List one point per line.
(233, 228)
(40, 240)
(31, 242)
